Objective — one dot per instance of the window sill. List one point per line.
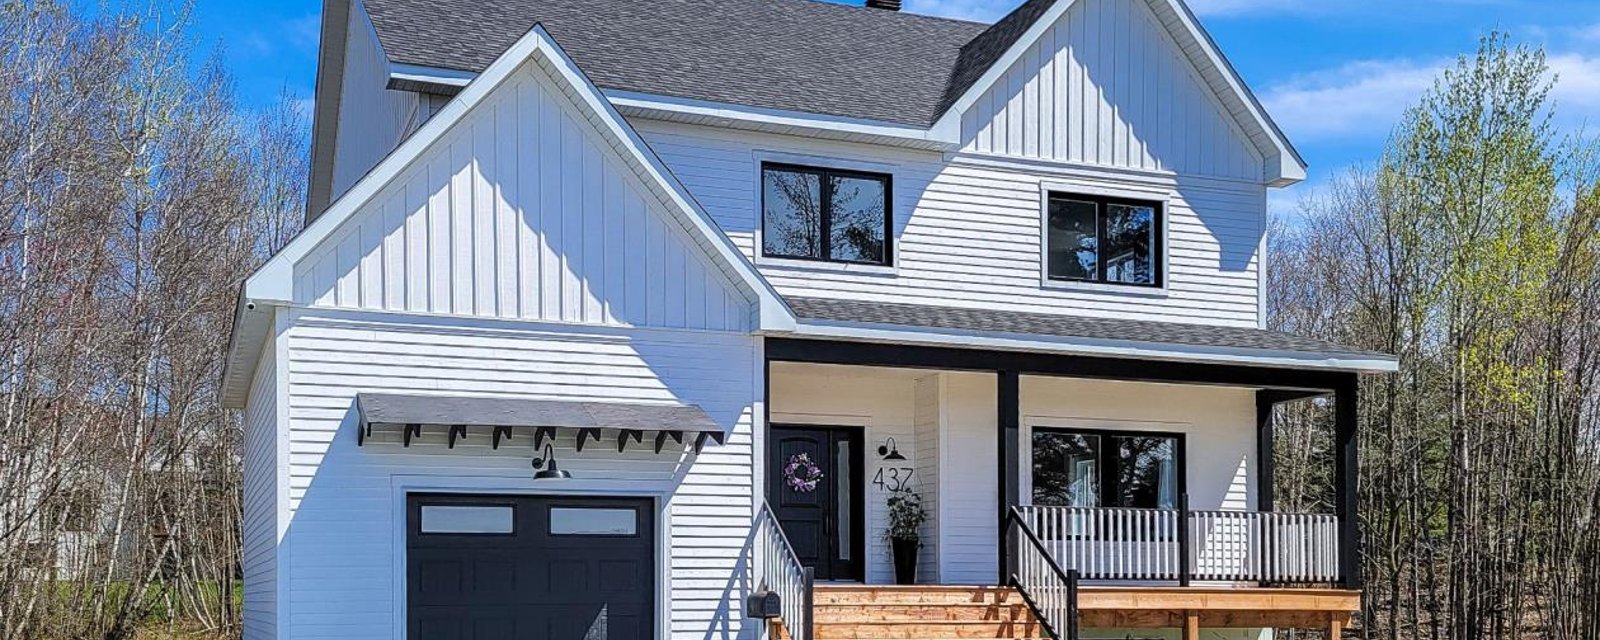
(1132, 291)
(830, 267)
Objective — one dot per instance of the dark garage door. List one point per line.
(482, 567)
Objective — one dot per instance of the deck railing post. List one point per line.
(1184, 570)
(809, 575)
(1073, 620)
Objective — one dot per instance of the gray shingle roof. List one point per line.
(795, 55)
(1013, 323)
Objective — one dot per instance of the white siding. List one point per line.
(345, 538)
(969, 490)
(1107, 85)
(521, 210)
(260, 557)
(372, 119)
(928, 416)
(967, 230)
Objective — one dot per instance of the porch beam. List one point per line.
(1305, 382)
(1347, 493)
(1008, 387)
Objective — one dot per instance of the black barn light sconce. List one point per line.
(889, 451)
(550, 470)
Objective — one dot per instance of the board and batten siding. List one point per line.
(259, 560)
(522, 211)
(1107, 85)
(373, 119)
(345, 537)
(968, 228)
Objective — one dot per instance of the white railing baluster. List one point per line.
(1110, 543)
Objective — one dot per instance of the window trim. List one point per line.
(826, 233)
(1108, 463)
(1158, 249)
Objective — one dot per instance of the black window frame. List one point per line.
(826, 232)
(1110, 464)
(1158, 244)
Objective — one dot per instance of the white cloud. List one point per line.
(1358, 99)
(1364, 100)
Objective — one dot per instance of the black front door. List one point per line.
(482, 567)
(814, 484)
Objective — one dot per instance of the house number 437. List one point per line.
(893, 478)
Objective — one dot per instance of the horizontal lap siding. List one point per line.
(1108, 85)
(970, 485)
(344, 520)
(260, 522)
(968, 231)
(523, 210)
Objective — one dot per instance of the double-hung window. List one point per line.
(1076, 468)
(833, 215)
(1105, 240)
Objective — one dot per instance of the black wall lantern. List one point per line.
(889, 451)
(550, 471)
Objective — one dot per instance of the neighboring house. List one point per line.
(594, 292)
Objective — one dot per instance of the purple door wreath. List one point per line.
(801, 474)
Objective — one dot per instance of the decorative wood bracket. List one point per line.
(623, 435)
(700, 440)
(412, 430)
(498, 433)
(661, 438)
(540, 434)
(585, 434)
(457, 430)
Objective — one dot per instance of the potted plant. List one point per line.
(906, 516)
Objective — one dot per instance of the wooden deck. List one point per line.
(1216, 607)
(876, 612)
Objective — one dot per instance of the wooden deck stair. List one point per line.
(922, 612)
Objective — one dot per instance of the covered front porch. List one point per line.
(1149, 481)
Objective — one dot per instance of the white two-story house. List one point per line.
(623, 319)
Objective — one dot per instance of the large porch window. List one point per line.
(1078, 468)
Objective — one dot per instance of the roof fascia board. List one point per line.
(779, 118)
(423, 74)
(274, 282)
(871, 332)
(1284, 168)
(443, 80)
(335, 31)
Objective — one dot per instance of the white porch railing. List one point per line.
(782, 573)
(1179, 545)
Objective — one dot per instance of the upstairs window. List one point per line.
(825, 214)
(1106, 240)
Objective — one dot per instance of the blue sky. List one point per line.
(1336, 74)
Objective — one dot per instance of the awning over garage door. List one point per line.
(454, 415)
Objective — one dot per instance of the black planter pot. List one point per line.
(905, 560)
